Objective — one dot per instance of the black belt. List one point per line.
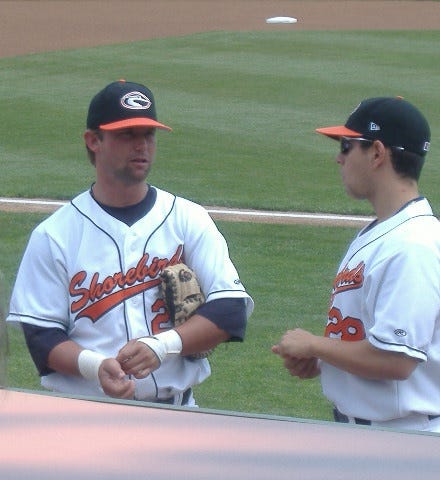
(170, 401)
(342, 418)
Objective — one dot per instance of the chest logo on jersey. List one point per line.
(99, 297)
(349, 279)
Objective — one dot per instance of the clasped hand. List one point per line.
(135, 359)
(295, 348)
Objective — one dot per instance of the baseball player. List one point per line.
(379, 359)
(87, 290)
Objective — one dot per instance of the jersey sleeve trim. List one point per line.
(399, 348)
(37, 321)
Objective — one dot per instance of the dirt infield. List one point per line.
(31, 26)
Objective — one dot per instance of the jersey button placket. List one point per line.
(132, 256)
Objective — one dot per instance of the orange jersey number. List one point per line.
(349, 329)
(161, 321)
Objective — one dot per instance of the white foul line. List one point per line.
(248, 215)
(308, 216)
(29, 201)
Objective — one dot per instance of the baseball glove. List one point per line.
(182, 295)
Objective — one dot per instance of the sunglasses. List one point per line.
(347, 143)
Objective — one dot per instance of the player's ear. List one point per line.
(379, 152)
(92, 139)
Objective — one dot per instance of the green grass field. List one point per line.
(243, 106)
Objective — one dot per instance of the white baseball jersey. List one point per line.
(387, 290)
(98, 279)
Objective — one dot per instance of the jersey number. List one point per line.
(349, 329)
(161, 321)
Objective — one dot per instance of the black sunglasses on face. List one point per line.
(347, 143)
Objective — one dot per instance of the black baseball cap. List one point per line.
(123, 104)
(392, 120)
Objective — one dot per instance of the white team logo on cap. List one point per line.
(373, 127)
(135, 101)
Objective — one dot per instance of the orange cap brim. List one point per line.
(135, 122)
(338, 132)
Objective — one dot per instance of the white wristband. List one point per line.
(163, 344)
(89, 363)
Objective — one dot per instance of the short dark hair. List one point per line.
(407, 164)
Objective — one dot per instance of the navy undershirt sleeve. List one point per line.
(40, 341)
(229, 314)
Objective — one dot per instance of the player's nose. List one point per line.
(141, 143)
